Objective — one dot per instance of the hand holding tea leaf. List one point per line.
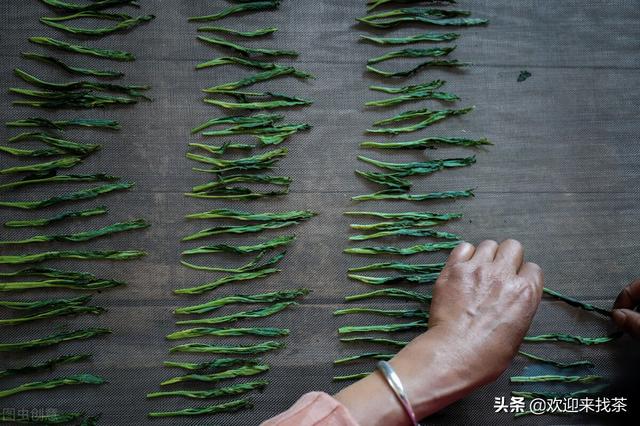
(623, 313)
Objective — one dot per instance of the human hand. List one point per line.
(623, 313)
(483, 304)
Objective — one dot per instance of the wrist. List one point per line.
(372, 402)
(435, 372)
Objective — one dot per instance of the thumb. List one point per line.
(628, 321)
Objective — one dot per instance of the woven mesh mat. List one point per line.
(562, 178)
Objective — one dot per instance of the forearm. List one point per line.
(433, 377)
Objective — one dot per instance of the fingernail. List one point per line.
(619, 316)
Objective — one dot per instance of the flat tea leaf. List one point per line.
(53, 339)
(117, 55)
(226, 407)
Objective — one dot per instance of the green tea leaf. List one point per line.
(426, 143)
(255, 78)
(216, 364)
(274, 100)
(133, 91)
(62, 124)
(523, 76)
(237, 389)
(391, 292)
(421, 87)
(63, 163)
(243, 276)
(233, 193)
(253, 265)
(376, 22)
(57, 218)
(395, 181)
(125, 23)
(441, 96)
(385, 328)
(420, 167)
(56, 99)
(576, 303)
(452, 63)
(221, 149)
(568, 338)
(225, 248)
(255, 33)
(593, 391)
(379, 340)
(50, 273)
(244, 121)
(71, 254)
(227, 407)
(555, 378)
(372, 4)
(407, 251)
(366, 355)
(78, 379)
(430, 117)
(413, 53)
(246, 51)
(240, 8)
(71, 69)
(428, 278)
(240, 349)
(225, 60)
(46, 152)
(53, 339)
(223, 375)
(401, 266)
(84, 194)
(84, 236)
(395, 225)
(272, 135)
(217, 230)
(556, 364)
(395, 313)
(223, 332)
(414, 216)
(74, 284)
(297, 215)
(355, 376)
(406, 232)
(255, 313)
(255, 162)
(270, 297)
(117, 55)
(94, 5)
(44, 304)
(53, 313)
(47, 365)
(417, 38)
(398, 195)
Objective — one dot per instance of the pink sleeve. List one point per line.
(314, 409)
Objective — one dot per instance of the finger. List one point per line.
(628, 321)
(485, 252)
(463, 252)
(629, 297)
(511, 254)
(532, 273)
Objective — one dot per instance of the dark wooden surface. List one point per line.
(562, 178)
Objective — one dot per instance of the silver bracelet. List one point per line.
(396, 385)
